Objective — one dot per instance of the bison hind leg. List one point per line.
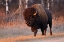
(50, 31)
(50, 25)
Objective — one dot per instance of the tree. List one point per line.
(45, 3)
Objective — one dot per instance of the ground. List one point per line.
(22, 33)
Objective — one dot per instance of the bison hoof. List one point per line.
(34, 34)
(43, 34)
(51, 33)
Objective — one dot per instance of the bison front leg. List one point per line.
(42, 30)
(34, 29)
(35, 32)
(45, 31)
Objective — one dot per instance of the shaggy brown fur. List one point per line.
(28, 15)
(41, 11)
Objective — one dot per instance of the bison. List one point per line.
(37, 18)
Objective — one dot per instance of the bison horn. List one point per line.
(35, 13)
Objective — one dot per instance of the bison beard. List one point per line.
(37, 21)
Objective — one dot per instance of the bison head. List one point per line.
(29, 15)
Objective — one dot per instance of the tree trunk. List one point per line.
(45, 3)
